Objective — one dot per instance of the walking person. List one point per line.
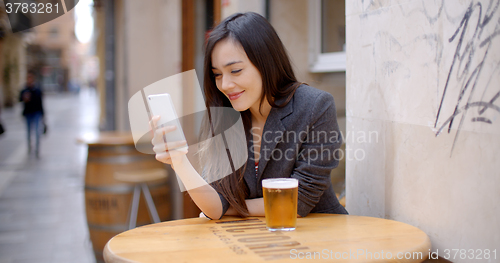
(31, 96)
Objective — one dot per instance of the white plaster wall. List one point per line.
(401, 57)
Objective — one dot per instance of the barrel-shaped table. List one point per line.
(317, 237)
(108, 200)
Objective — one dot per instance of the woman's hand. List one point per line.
(204, 195)
(165, 152)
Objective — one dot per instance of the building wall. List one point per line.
(64, 39)
(289, 18)
(410, 67)
(230, 7)
(12, 68)
(100, 34)
(58, 35)
(148, 48)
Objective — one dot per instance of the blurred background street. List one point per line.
(42, 207)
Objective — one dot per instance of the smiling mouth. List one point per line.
(234, 96)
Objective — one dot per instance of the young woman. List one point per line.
(291, 129)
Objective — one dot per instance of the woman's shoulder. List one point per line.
(306, 94)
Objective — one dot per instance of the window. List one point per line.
(327, 36)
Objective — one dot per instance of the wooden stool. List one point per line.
(141, 179)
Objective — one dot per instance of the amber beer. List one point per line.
(280, 203)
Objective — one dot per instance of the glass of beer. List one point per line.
(280, 203)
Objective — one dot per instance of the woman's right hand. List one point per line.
(165, 152)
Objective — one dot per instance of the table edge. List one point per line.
(111, 257)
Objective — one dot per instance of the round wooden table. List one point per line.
(233, 239)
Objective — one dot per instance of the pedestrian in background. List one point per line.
(33, 112)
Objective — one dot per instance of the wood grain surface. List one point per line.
(106, 138)
(321, 237)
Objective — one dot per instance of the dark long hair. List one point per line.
(267, 53)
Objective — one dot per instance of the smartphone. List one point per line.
(162, 105)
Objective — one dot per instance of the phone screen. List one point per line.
(162, 105)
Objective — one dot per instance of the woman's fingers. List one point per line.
(163, 158)
(165, 151)
(158, 134)
(152, 123)
(166, 157)
(169, 146)
(163, 130)
(154, 120)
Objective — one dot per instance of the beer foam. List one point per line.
(280, 183)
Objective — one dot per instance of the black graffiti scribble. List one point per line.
(472, 42)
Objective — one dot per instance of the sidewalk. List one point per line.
(42, 209)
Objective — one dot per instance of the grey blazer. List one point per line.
(300, 141)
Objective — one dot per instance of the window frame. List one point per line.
(321, 62)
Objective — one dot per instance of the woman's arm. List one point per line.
(318, 154)
(204, 195)
(255, 208)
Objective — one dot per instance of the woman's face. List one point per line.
(236, 76)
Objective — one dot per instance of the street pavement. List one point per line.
(42, 209)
